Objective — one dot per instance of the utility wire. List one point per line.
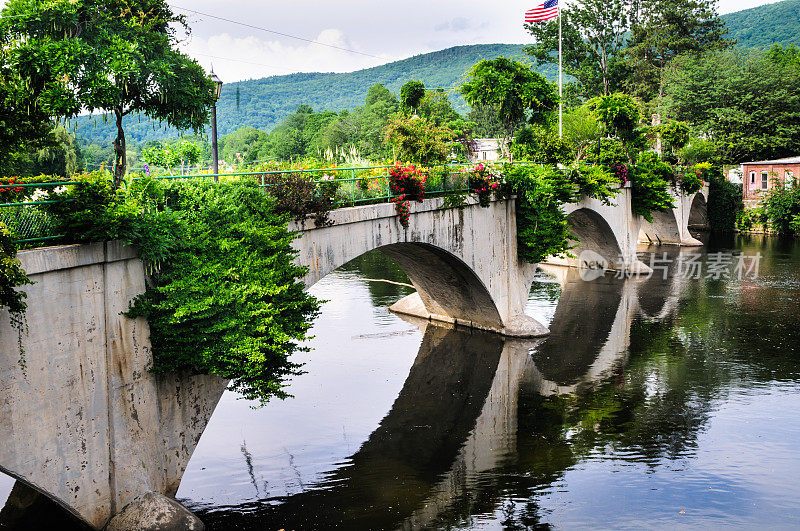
(240, 61)
(276, 32)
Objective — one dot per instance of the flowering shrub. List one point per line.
(11, 195)
(622, 173)
(483, 184)
(407, 184)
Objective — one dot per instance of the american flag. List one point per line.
(544, 11)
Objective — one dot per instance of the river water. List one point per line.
(655, 403)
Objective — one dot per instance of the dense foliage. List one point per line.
(298, 195)
(117, 56)
(724, 198)
(542, 228)
(223, 295)
(651, 180)
(419, 140)
(12, 276)
(407, 184)
(746, 104)
(519, 94)
(227, 299)
(781, 209)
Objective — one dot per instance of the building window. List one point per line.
(764, 180)
(752, 177)
(789, 178)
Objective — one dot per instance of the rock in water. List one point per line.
(154, 512)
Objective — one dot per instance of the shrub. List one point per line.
(724, 198)
(622, 172)
(407, 184)
(227, 299)
(537, 144)
(691, 183)
(650, 184)
(11, 276)
(595, 182)
(610, 152)
(298, 195)
(751, 219)
(542, 228)
(781, 206)
(484, 184)
(795, 224)
(419, 140)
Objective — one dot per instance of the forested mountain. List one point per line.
(264, 103)
(766, 25)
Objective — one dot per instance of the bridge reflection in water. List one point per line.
(439, 455)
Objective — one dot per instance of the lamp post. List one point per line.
(215, 92)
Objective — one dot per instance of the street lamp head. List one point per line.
(217, 89)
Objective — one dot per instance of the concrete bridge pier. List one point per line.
(82, 420)
(672, 228)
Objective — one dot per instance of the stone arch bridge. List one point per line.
(85, 424)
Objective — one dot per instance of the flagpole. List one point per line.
(560, 94)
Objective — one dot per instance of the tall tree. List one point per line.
(594, 37)
(747, 104)
(116, 56)
(665, 30)
(24, 126)
(411, 94)
(518, 93)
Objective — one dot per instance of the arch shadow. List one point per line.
(698, 213)
(593, 233)
(580, 329)
(29, 507)
(446, 285)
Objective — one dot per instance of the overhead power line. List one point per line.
(241, 61)
(311, 41)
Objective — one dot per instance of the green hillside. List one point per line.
(766, 25)
(264, 103)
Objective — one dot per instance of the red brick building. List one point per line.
(767, 174)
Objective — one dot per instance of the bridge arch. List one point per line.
(672, 227)
(446, 285)
(462, 261)
(593, 233)
(698, 212)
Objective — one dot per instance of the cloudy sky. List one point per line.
(384, 30)
(381, 30)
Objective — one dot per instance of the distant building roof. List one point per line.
(787, 160)
(486, 144)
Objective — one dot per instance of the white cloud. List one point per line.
(238, 58)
